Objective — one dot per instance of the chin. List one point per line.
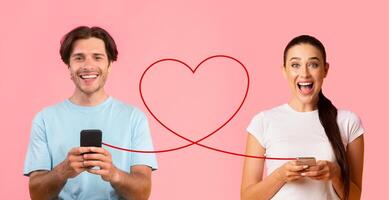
(89, 91)
(306, 99)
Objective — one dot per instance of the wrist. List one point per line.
(60, 172)
(336, 169)
(278, 174)
(337, 175)
(115, 177)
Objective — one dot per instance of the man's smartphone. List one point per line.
(90, 138)
(310, 161)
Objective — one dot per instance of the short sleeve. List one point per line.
(141, 140)
(256, 128)
(354, 127)
(38, 156)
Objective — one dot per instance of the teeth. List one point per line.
(305, 84)
(88, 76)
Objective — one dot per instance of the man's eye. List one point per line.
(313, 65)
(78, 58)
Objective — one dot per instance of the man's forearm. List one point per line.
(46, 184)
(134, 186)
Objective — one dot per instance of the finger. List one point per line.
(75, 158)
(94, 163)
(100, 172)
(79, 150)
(293, 162)
(74, 151)
(315, 168)
(96, 156)
(313, 173)
(77, 165)
(291, 174)
(99, 150)
(95, 171)
(297, 168)
(321, 162)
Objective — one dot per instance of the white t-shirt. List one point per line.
(285, 132)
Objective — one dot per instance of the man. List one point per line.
(58, 168)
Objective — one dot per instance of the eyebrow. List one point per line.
(295, 58)
(311, 58)
(98, 54)
(82, 54)
(314, 58)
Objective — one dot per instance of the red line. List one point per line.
(204, 146)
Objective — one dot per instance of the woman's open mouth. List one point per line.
(305, 88)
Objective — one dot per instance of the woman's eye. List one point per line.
(295, 65)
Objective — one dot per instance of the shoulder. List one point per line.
(267, 116)
(347, 116)
(271, 112)
(133, 111)
(350, 124)
(50, 111)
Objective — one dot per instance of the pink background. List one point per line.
(33, 76)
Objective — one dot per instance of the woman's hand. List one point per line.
(290, 171)
(323, 170)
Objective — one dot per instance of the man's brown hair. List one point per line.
(84, 32)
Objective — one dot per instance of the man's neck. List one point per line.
(84, 99)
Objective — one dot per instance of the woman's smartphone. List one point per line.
(90, 138)
(310, 161)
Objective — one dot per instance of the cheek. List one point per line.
(291, 76)
(319, 76)
(73, 73)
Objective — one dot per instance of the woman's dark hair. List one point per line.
(84, 32)
(327, 114)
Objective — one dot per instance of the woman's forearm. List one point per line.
(264, 189)
(354, 193)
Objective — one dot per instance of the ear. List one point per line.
(283, 68)
(326, 68)
(109, 67)
(71, 75)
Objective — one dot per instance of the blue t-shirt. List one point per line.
(56, 130)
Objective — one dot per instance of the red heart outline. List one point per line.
(205, 137)
(193, 71)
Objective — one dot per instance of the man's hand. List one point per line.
(101, 158)
(134, 185)
(73, 165)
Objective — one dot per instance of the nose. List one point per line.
(304, 71)
(88, 64)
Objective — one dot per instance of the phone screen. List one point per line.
(90, 138)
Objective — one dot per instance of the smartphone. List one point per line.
(310, 161)
(90, 138)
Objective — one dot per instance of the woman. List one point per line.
(308, 125)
